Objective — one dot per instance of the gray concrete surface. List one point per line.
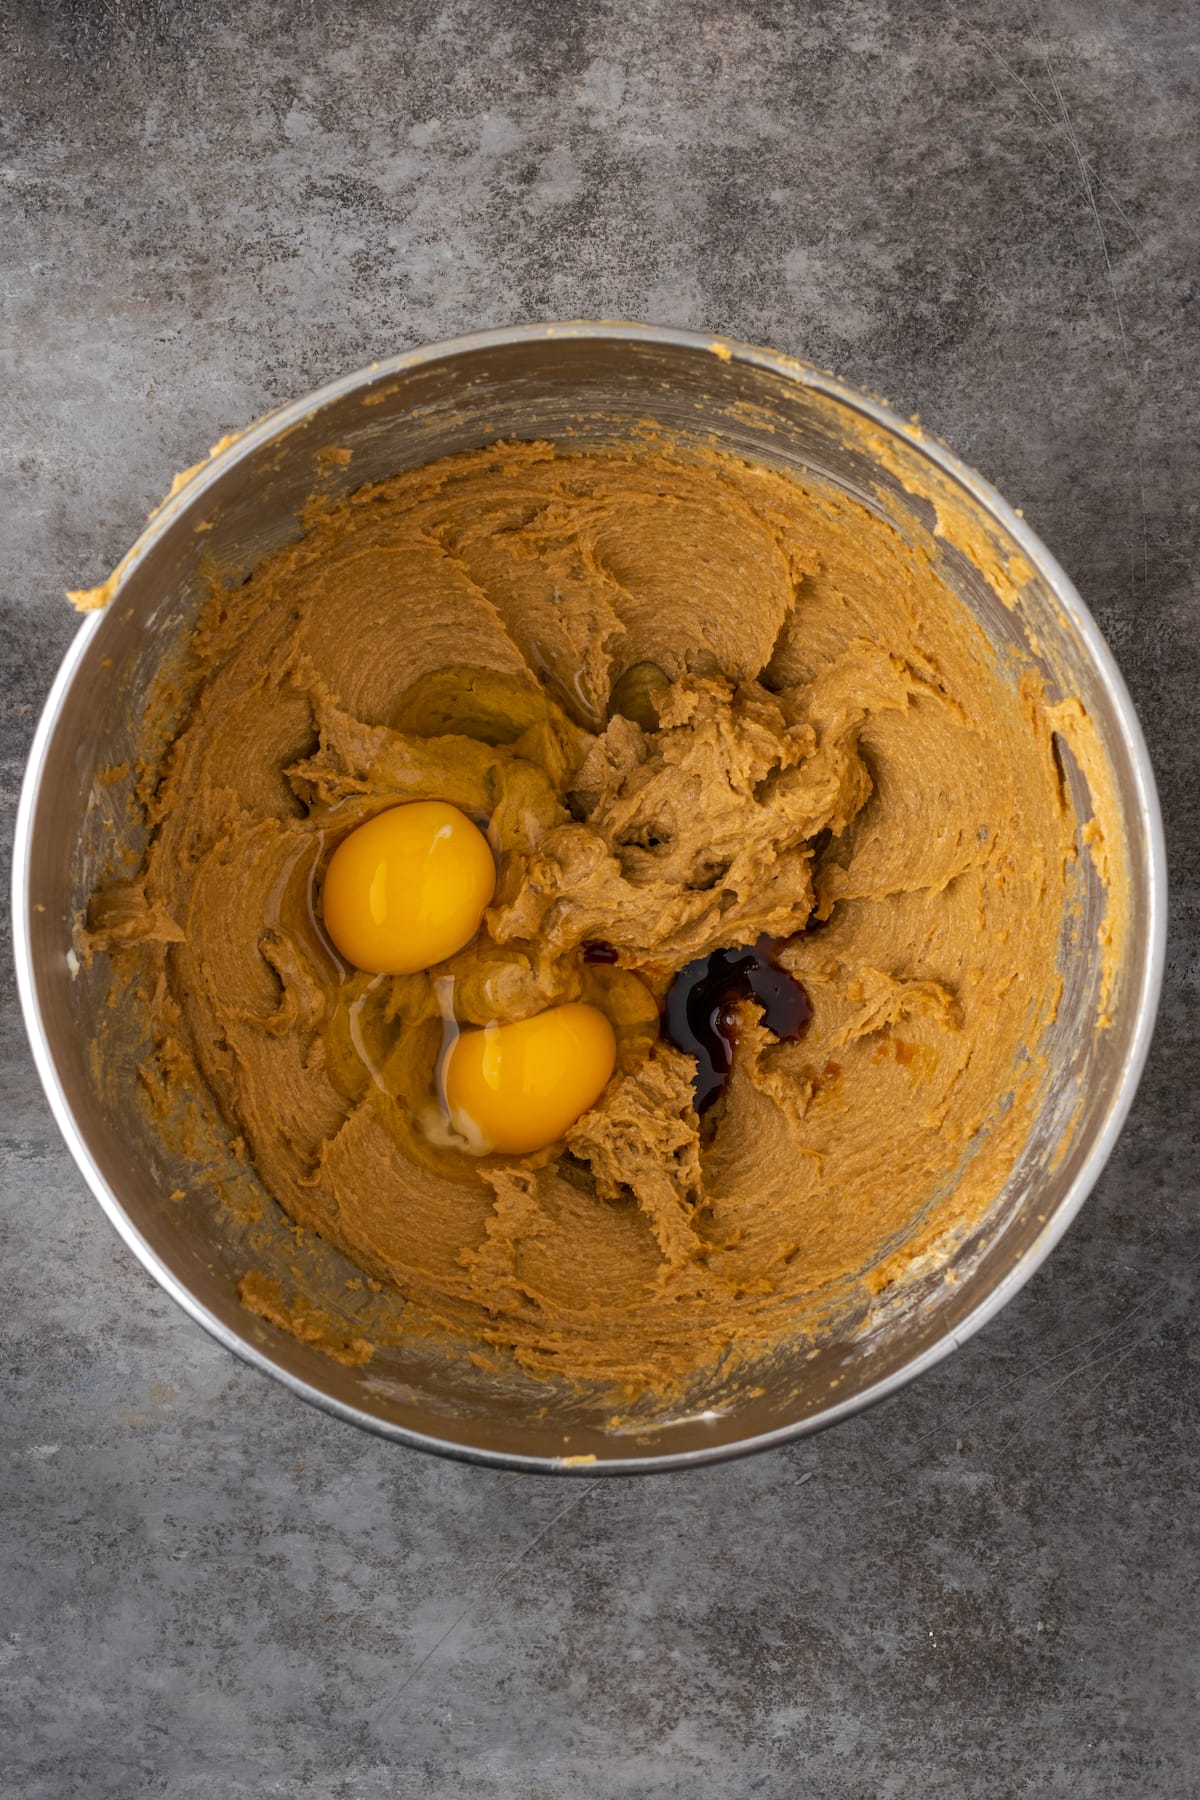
(989, 212)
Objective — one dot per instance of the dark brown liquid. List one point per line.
(702, 1002)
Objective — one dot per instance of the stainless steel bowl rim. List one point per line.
(1145, 1004)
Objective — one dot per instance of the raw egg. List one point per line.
(516, 1088)
(408, 888)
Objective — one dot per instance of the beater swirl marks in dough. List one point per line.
(829, 740)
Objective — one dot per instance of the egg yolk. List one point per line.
(408, 888)
(516, 1088)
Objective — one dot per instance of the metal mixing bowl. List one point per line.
(580, 384)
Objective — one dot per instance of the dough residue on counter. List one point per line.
(824, 738)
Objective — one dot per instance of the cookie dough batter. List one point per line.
(691, 702)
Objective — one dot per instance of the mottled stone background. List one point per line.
(988, 212)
